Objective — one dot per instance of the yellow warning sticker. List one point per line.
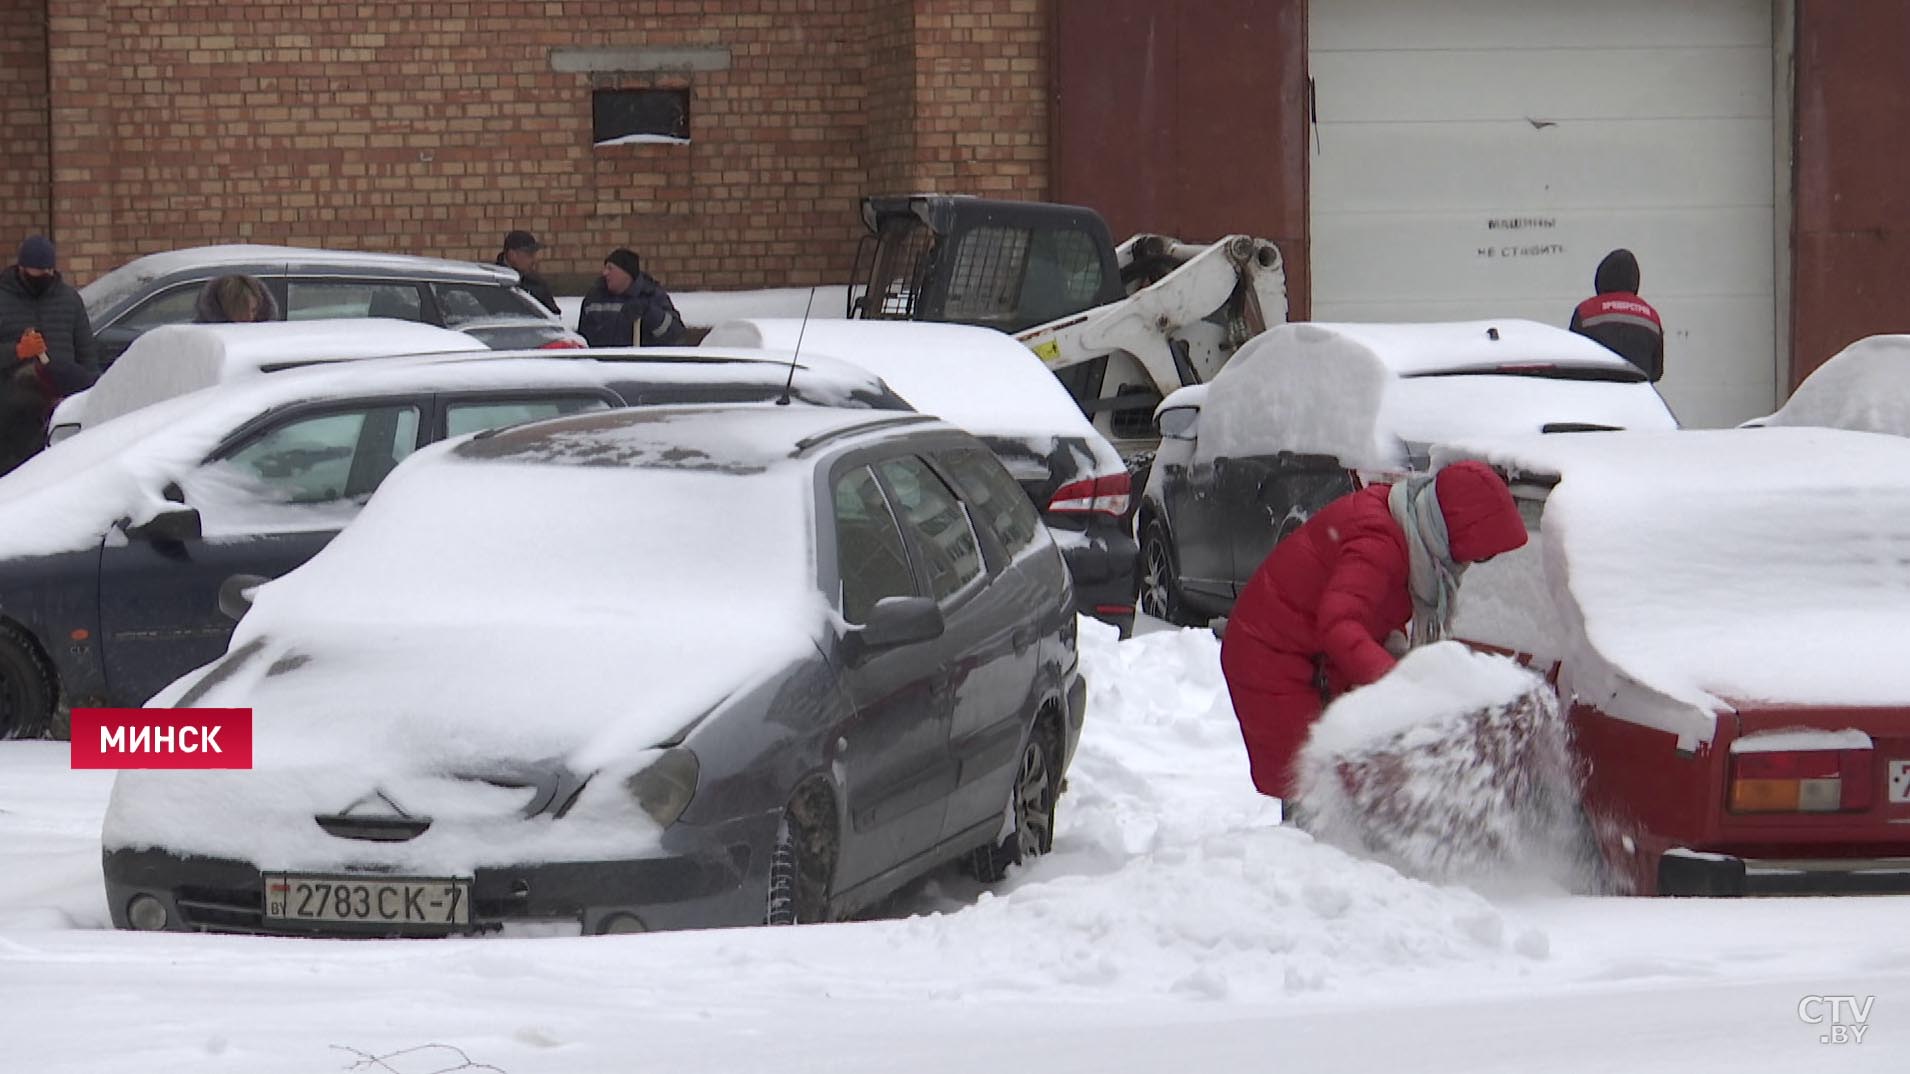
(1049, 350)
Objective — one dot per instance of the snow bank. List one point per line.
(1456, 765)
(1370, 394)
(1864, 387)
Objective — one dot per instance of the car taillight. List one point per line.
(562, 345)
(1104, 495)
(1800, 781)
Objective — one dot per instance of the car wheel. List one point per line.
(800, 863)
(1160, 594)
(26, 686)
(1036, 793)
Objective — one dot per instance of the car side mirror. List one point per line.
(1178, 423)
(900, 621)
(235, 594)
(177, 522)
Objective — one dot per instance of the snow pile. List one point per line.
(1453, 766)
(1864, 387)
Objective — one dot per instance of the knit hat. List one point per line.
(36, 253)
(1481, 518)
(1617, 272)
(626, 259)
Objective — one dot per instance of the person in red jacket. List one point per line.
(1315, 616)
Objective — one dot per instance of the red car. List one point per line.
(1725, 616)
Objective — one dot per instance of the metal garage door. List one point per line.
(1476, 158)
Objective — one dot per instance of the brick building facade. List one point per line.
(433, 127)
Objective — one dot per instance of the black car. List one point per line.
(628, 671)
(116, 544)
(483, 301)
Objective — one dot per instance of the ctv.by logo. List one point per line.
(1845, 1019)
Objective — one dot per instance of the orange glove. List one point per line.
(32, 345)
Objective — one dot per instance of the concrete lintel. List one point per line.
(593, 60)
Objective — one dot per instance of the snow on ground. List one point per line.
(1176, 927)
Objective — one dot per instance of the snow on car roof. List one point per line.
(179, 358)
(1865, 386)
(1373, 394)
(1725, 567)
(977, 378)
(61, 498)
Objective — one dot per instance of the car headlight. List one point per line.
(665, 787)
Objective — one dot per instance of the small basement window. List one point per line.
(626, 117)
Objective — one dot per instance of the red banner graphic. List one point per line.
(162, 738)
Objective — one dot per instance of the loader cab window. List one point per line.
(1063, 275)
(985, 279)
(904, 260)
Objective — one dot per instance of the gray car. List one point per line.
(483, 301)
(625, 671)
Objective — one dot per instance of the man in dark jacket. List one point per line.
(1316, 615)
(46, 347)
(520, 253)
(1618, 318)
(627, 307)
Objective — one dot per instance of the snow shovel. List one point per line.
(1456, 763)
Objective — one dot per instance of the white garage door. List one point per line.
(1476, 159)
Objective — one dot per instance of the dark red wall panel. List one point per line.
(1187, 118)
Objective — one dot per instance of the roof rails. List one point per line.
(811, 442)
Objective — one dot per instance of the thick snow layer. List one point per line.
(117, 286)
(1865, 387)
(1175, 927)
(1787, 741)
(977, 378)
(1429, 687)
(175, 359)
(1714, 568)
(1373, 394)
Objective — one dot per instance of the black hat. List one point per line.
(626, 259)
(37, 253)
(522, 240)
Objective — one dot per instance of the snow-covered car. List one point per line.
(1865, 387)
(175, 359)
(996, 388)
(1724, 614)
(1308, 412)
(116, 544)
(647, 669)
(314, 284)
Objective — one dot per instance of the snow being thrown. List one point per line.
(1455, 767)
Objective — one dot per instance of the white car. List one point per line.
(1864, 387)
(176, 359)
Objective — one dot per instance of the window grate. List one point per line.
(986, 279)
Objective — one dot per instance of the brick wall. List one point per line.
(24, 175)
(433, 127)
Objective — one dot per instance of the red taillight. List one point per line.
(1801, 781)
(1104, 495)
(563, 345)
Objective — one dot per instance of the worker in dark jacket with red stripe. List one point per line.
(1618, 318)
(1315, 617)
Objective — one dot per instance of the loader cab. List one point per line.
(1006, 265)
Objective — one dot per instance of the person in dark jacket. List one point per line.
(520, 253)
(46, 347)
(1315, 617)
(1616, 317)
(236, 299)
(627, 307)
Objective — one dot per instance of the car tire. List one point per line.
(1036, 793)
(800, 863)
(1160, 594)
(27, 692)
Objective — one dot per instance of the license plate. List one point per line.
(1900, 781)
(352, 900)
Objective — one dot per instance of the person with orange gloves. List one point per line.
(1313, 620)
(44, 323)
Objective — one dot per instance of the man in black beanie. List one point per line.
(1626, 324)
(626, 307)
(46, 349)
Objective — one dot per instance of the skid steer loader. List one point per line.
(1121, 326)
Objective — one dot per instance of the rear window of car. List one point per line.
(996, 499)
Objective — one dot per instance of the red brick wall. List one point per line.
(981, 97)
(1851, 231)
(434, 127)
(24, 174)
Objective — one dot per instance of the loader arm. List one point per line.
(1214, 298)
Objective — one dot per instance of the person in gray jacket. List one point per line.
(46, 345)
